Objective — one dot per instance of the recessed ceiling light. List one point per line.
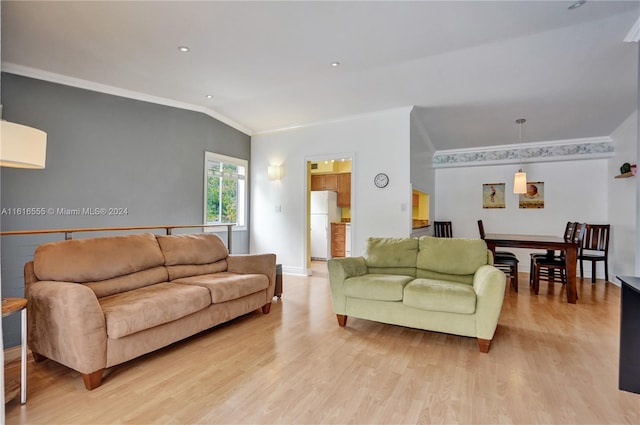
(577, 4)
(183, 49)
(208, 96)
(335, 64)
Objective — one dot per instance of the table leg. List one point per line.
(23, 359)
(572, 262)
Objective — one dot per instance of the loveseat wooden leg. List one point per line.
(92, 380)
(266, 308)
(37, 357)
(342, 319)
(483, 345)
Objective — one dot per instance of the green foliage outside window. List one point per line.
(225, 183)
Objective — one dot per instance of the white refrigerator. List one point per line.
(324, 211)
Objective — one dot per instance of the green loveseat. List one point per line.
(439, 284)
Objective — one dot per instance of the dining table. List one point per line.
(545, 242)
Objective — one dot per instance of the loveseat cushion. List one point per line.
(133, 311)
(227, 286)
(455, 256)
(381, 287)
(391, 255)
(193, 254)
(96, 259)
(440, 295)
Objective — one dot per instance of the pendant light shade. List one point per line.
(520, 182)
(22, 146)
(520, 178)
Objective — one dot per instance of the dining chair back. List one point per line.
(504, 260)
(544, 267)
(442, 229)
(595, 247)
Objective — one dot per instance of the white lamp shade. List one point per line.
(274, 172)
(22, 146)
(520, 182)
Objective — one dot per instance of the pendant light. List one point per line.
(520, 178)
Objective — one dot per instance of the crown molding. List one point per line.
(52, 77)
(634, 33)
(558, 150)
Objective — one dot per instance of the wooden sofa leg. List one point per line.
(342, 319)
(37, 357)
(266, 308)
(483, 345)
(92, 380)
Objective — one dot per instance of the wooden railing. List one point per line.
(168, 229)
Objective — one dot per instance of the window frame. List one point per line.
(242, 198)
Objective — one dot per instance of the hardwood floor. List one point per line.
(550, 362)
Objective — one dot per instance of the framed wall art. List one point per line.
(534, 198)
(493, 195)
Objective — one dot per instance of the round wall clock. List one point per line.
(381, 180)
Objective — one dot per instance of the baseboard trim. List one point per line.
(12, 354)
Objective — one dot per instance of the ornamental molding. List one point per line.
(561, 150)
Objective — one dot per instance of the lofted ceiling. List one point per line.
(471, 68)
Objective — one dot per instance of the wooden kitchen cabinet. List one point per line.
(344, 190)
(324, 182)
(338, 239)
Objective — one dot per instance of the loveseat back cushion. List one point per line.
(97, 259)
(381, 287)
(438, 295)
(454, 256)
(398, 253)
(193, 254)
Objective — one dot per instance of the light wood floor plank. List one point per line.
(550, 363)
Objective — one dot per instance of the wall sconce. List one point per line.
(274, 172)
(22, 146)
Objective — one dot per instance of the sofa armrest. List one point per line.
(489, 283)
(341, 269)
(255, 263)
(66, 324)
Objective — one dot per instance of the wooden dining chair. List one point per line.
(442, 229)
(568, 234)
(595, 247)
(545, 267)
(504, 260)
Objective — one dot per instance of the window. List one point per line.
(225, 189)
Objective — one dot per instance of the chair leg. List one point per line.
(606, 270)
(514, 277)
(536, 279)
(581, 268)
(593, 271)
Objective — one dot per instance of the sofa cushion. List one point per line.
(128, 282)
(133, 311)
(456, 256)
(186, 270)
(199, 248)
(391, 252)
(439, 295)
(227, 286)
(381, 287)
(94, 259)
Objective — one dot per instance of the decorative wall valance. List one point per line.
(563, 150)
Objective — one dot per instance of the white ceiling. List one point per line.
(470, 67)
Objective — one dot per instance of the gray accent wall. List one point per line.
(103, 151)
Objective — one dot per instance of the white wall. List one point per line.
(377, 142)
(573, 191)
(622, 202)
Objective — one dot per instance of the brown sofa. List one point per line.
(98, 302)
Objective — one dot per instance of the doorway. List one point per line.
(329, 210)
